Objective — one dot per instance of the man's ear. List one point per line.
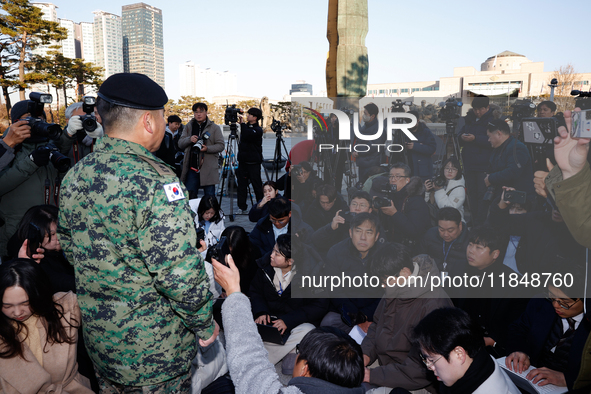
(148, 122)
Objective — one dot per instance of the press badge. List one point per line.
(174, 192)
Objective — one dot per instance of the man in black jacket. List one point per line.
(371, 158)
(250, 157)
(352, 258)
(476, 154)
(510, 163)
(447, 242)
(324, 207)
(407, 217)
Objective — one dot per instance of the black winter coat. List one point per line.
(250, 149)
(411, 222)
(293, 311)
(542, 239)
(511, 165)
(420, 154)
(457, 262)
(317, 217)
(476, 154)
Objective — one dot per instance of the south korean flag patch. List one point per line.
(174, 192)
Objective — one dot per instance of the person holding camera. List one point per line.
(85, 139)
(510, 163)
(202, 141)
(371, 158)
(34, 176)
(448, 188)
(250, 157)
(476, 152)
(407, 217)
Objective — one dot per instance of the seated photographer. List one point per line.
(403, 305)
(305, 180)
(451, 346)
(272, 303)
(210, 218)
(261, 208)
(325, 206)
(510, 163)
(352, 257)
(420, 151)
(539, 234)
(447, 242)
(550, 335)
(546, 109)
(338, 229)
(250, 157)
(406, 218)
(34, 176)
(84, 141)
(448, 189)
(327, 360)
(283, 218)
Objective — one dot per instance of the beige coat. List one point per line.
(215, 144)
(59, 373)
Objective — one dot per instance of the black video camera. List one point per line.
(398, 106)
(89, 120)
(522, 108)
(583, 99)
(450, 109)
(276, 126)
(40, 130)
(231, 114)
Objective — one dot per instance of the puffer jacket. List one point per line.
(387, 339)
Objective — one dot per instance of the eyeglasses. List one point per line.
(280, 220)
(397, 177)
(429, 364)
(562, 304)
(451, 169)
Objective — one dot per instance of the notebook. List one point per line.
(521, 382)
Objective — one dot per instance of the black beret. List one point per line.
(18, 110)
(134, 91)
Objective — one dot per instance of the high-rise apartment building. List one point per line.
(49, 11)
(143, 42)
(85, 35)
(206, 83)
(108, 43)
(69, 44)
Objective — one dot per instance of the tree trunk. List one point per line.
(65, 97)
(57, 93)
(6, 100)
(21, 67)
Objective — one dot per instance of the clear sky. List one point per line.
(270, 44)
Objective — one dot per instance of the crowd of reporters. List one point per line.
(405, 224)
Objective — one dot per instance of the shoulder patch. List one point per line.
(160, 168)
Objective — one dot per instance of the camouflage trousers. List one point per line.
(178, 385)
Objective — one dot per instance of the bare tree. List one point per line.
(567, 78)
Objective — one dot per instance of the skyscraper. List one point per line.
(108, 52)
(143, 42)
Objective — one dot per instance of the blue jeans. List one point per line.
(193, 183)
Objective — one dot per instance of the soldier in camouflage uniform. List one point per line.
(127, 227)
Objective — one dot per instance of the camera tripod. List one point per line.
(277, 155)
(449, 138)
(229, 166)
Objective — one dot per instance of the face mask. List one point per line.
(366, 118)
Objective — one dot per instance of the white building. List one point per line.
(69, 44)
(206, 83)
(108, 42)
(86, 38)
(49, 14)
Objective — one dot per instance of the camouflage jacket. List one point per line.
(141, 283)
